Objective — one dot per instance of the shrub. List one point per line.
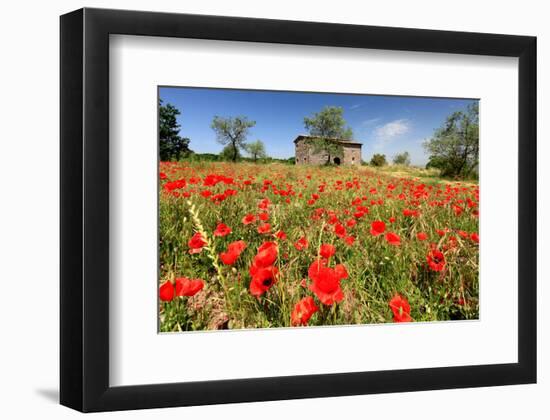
(378, 160)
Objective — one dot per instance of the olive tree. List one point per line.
(454, 147)
(256, 149)
(402, 159)
(232, 133)
(326, 126)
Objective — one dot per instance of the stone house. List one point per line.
(304, 153)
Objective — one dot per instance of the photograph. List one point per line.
(292, 209)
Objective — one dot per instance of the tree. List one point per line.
(228, 153)
(325, 127)
(454, 147)
(256, 149)
(402, 159)
(378, 160)
(232, 132)
(172, 146)
(435, 162)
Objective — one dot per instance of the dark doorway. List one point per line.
(337, 161)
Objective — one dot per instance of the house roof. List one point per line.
(341, 141)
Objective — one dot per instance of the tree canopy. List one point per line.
(454, 147)
(256, 149)
(228, 153)
(324, 127)
(402, 159)
(329, 122)
(232, 132)
(378, 160)
(172, 146)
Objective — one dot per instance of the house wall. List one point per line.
(305, 156)
(352, 155)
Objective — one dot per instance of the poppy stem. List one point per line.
(212, 254)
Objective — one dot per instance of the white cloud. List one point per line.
(370, 121)
(355, 106)
(385, 134)
(392, 129)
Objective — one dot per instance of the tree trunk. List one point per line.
(234, 152)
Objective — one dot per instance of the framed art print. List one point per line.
(257, 209)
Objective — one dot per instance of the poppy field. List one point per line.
(243, 245)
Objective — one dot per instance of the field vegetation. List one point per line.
(244, 245)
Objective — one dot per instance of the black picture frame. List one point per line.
(84, 295)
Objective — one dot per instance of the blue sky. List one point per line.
(384, 124)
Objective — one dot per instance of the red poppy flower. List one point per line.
(327, 250)
(393, 239)
(218, 198)
(326, 281)
(174, 185)
(474, 237)
(166, 291)
(237, 246)
(264, 228)
(249, 218)
(267, 254)
(301, 244)
(303, 311)
(400, 308)
(377, 227)
(263, 216)
(163, 175)
(262, 279)
(436, 260)
(264, 204)
(341, 271)
(196, 243)
(229, 192)
(234, 249)
(457, 209)
(421, 236)
(339, 230)
(332, 219)
(188, 287)
(262, 271)
(462, 234)
(349, 240)
(410, 213)
(222, 230)
(281, 235)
